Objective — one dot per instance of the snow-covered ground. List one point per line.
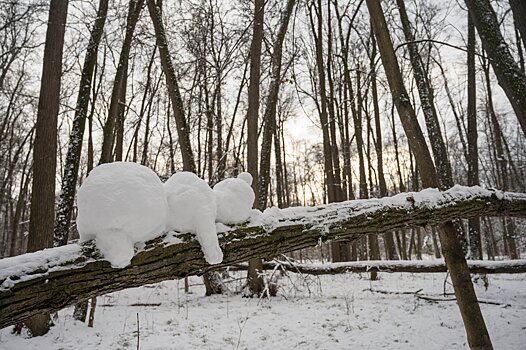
(329, 312)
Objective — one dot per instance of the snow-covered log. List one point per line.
(419, 266)
(49, 280)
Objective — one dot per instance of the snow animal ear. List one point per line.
(245, 177)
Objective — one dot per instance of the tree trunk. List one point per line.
(510, 77)
(172, 84)
(443, 166)
(519, 16)
(270, 108)
(477, 334)
(71, 169)
(436, 248)
(382, 184)
(220, 155)
(475, 241)
(91, 317)
(254, 281)
(135, 8)
(121, 116)
(331, 109)
(42, 214)
(317, 32)
(21, 202)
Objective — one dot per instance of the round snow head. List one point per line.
(234, 199)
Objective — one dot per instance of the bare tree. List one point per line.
(45, 147)
(254, 280)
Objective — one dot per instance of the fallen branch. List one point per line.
(437, 299)
(432, 298)
(48, 280)
(390, 292)
(414, 266)
(132, 305)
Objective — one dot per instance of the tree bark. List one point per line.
(121, 116)
(382, 184)
(270, 108)
(71, 168)
(331, 108)
(510, 77)
(42, 214)
(317, 32)
(443, 166)
(519, 16)
(253, 95)
(134, 11)
(475, 241)
(254, 281)
(49, 280)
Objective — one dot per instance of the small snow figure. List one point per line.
(235, 198)
(120, 204)
(192, 208)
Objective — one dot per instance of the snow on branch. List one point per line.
(49, 280)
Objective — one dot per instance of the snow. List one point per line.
(322, 217)
(120, 204)
(23, 267)
(235, 198)
(327, 312)
(192, 208)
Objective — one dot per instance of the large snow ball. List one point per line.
(235, 198)
(120, 204)
(192, 208)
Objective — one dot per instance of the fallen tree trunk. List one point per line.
(49, 280)
(420, 266)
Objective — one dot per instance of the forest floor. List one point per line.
(327, 312)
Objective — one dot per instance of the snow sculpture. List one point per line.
(192, 208)
(120, 204)
(234, 199)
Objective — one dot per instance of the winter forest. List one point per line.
(262, 174)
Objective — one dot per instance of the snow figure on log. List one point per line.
(120, 204)
(235, 198)
(192, 208)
